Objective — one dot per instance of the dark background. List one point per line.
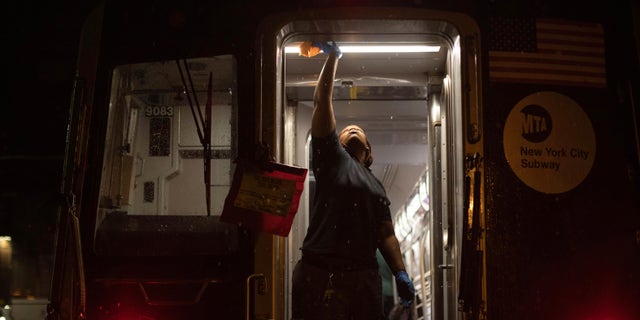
(40, 41)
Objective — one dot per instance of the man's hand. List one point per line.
(328, 47)
(406, 291)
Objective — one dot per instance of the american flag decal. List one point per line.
(542, 51)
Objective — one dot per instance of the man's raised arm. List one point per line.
(323, 121)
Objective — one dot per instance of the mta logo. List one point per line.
(536, 123)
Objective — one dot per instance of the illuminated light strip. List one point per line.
(377, 49)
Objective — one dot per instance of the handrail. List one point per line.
(262, 287)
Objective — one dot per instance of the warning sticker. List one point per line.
(265, 194)
(549, 142)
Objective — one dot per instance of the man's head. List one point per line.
(354, 140)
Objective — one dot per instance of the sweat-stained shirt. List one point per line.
(349, 205)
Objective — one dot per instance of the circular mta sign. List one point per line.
(549, 142)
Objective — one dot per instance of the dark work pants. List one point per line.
(357, 294)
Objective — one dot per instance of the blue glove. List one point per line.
(406, 291)
(328, 47)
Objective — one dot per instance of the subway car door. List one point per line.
(68, 286)
(421, 124)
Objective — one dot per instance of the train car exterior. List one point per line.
(525, 198)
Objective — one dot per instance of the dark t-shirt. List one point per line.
(349, 205)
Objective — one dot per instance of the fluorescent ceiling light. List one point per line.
(377, 49)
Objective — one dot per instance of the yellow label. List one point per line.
(265, 194)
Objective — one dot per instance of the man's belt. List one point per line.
(338, 264)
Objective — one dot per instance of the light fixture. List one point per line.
(414, 204)
(424, 194)
(376, 49)
(434, 102)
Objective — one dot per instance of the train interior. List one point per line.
(397, 79)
